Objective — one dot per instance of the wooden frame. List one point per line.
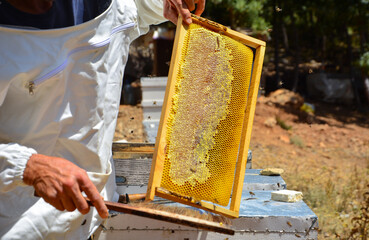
(159, 153)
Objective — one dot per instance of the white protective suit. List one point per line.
(59, 96)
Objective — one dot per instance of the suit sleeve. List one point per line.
(13, 161)
(150, 12)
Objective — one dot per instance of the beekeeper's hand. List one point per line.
(61, 183)
(184, 7)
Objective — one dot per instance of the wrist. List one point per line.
(30, 170)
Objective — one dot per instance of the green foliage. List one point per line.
(239, 13)
(324, 30)
(307, 108)
(297, 141)
(254, 9)
(364, 63)
(282, 123)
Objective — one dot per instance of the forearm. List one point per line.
(13, 161)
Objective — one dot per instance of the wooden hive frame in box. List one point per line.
(155, 188)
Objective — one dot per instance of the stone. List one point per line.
(271, 171)
(287, 196)
(270, 122)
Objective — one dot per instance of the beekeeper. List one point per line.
(61, 68)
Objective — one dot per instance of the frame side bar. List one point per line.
(159, 153)
(246, 130)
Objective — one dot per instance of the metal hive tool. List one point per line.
(205, 128)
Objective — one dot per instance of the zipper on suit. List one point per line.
(31, 87)
(33, 84)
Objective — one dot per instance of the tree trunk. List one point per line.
(276, 41)
(350, 66)
(297, 56)
(285, 38)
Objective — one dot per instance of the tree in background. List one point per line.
(239, 14)
(334, 34)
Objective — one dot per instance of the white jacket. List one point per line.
(59, 96)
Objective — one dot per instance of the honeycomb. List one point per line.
(206, 116)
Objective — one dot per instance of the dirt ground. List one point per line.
(335, 129)
(129, 125)
(325, 154)
(337, 135)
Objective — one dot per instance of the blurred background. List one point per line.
(309, 43)
(312, 115)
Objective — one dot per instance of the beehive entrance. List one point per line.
(203, 129)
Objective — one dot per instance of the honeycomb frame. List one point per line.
(155, 186)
